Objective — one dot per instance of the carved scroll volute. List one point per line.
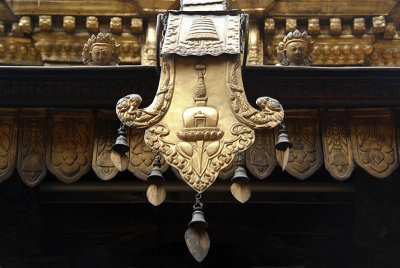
(141, 156)
(31, 165)
(337, 144)
(8, 142)
(260, 157)
(105, 135)
(69, 147)
(373, 141)
(305, 157)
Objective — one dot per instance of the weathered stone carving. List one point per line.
(116, 25)
(141, 156)
(335, 25)
(305, 157)
(31, 165)
(8, 142)
(378, 24)
(127, 107)
(101, 50)
(92, 24)
(313, 26)
(373, 141)
(358, 25)
(69, 23)
(337, 144)
(105, 136)
(45, 23)
(260, 157)
(271, 113)
(296, 49)
(69, 148)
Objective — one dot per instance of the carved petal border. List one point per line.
(31, 165)
(337, 144)
(69, 148)
(305, 157)
(8, 142)
(105, 135)
(373, 143)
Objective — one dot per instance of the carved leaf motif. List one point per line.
(305, 157)
(241, 191)
(70, 149)
(337, 145)
(8, 143)
(141, 156)
(105, 135)
(31, 153)
(260, 157)
(373, 141)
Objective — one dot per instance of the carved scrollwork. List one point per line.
(69, 149)
(127, 107)
(305, 157)
(228, 171)
(373, 141)
(141, 156)
(31, 164)
(216, 154)
(105, 135)
(337, 144)
(260, 157)
(271, 113)
(8, 142)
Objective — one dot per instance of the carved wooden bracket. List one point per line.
(8, 142)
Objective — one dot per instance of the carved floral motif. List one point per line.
(373, 143)
(8, 142)
(69, 150)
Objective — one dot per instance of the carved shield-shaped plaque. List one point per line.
(305, 157)
(141, 156)
(31, 164)
(373, 141)
(260, 157)
(69, 148)
(8, 142)
(337, 144)
(105, 135)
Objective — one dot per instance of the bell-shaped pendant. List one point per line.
(119, 150)
(156, 191)
(240, 188)
(283, 144)
(196, 236)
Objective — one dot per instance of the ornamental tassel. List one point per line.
(196, 236)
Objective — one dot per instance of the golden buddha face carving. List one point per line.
(116, 25)
(45, 23)
(92, 24)
(359, 25)
(296, 49)
(101, 50)
(313, 26)
(335, 25)
(69, 23)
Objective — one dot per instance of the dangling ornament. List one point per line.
(156, 191)
(283, 144)
(196, 236)
(240, 182)
(119, 150)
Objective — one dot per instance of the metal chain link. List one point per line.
(198, 205)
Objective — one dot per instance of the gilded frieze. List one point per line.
(70, 144)
(8, 142)
(373, 141)
(31, 165)
(306, 156)
(337, 144)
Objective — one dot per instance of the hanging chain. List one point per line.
(198, 205)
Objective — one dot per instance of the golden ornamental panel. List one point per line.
(306, 156)
(31, 165)
(337, 144)
(8, 142)
(373, 141)
(70, 145)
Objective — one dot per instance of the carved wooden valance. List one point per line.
(68, 143)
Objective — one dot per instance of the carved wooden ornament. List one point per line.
(373, 141)
(31, 164)
(260, 157)
(305, 157)
(8, 142)
(141, 156)
(70, 144)
(105, 136)
(337, 144)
